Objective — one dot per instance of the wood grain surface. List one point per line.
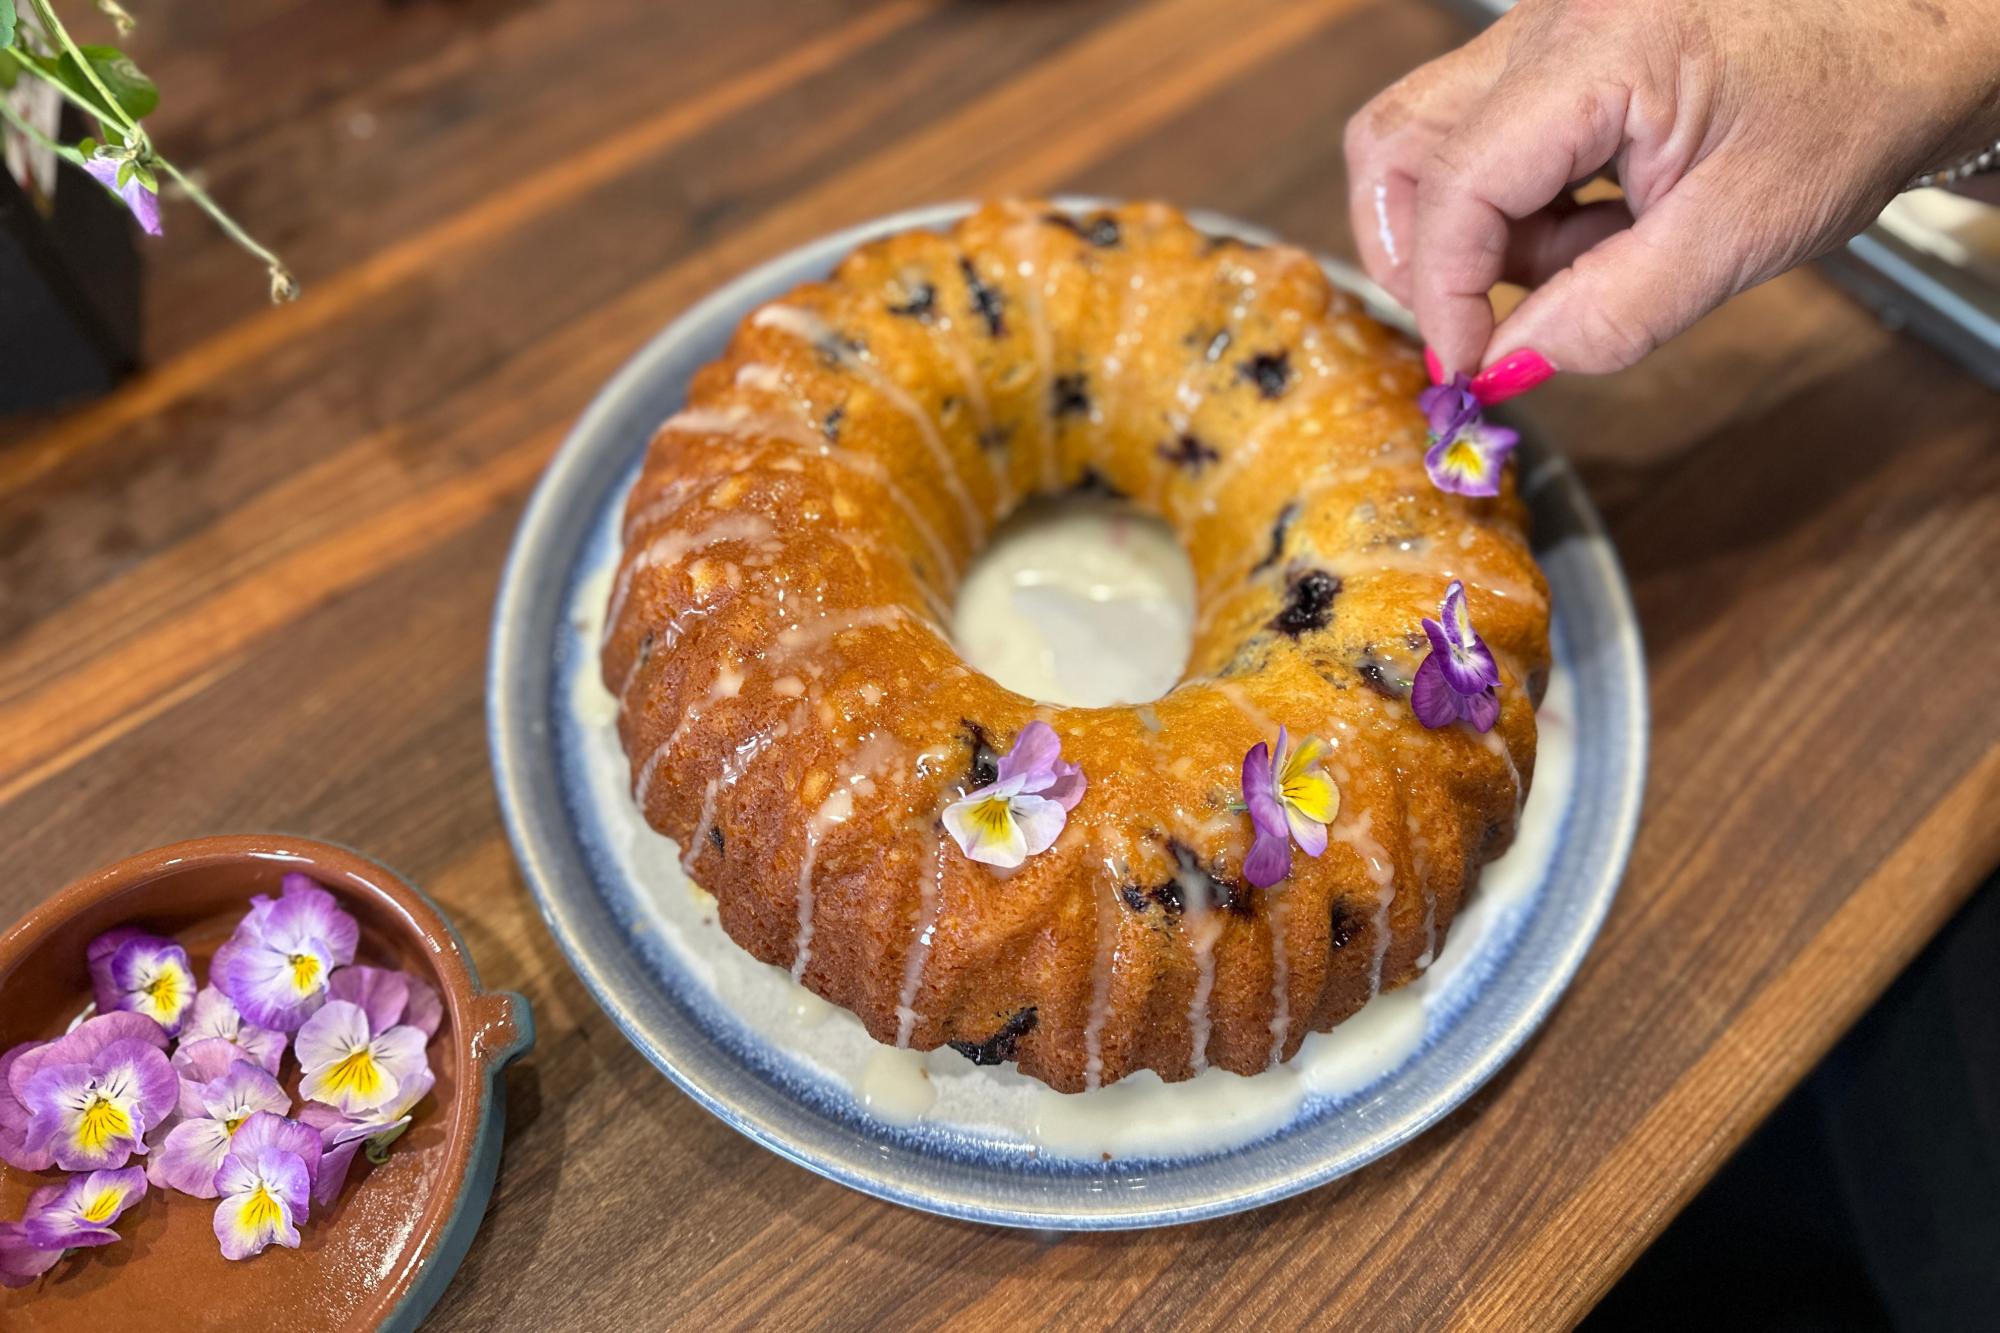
(250, 591)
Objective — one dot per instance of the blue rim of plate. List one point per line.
(528, 711)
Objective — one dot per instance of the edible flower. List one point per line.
(195, 1148)
(134, 190)
(22, 1062)
(96, 1114)
(1466, 453)
(21, 1260)
(342, 1136)
(80, 1212)
(349, 1065)
(146, 974)
(1023, 810)
(214, 1017)
(389, 997)
(1458, 681)
(266, 1185)
(1290, 799)
(275, 967)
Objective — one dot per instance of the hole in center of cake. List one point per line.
(1081, 601)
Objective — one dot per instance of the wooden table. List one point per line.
(250, 590)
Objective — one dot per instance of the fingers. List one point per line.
(1544, 245)
(1530, 138)
(1629, 293)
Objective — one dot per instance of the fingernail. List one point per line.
(1434, 366)
(1512, 375)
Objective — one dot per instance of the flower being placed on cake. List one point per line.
(342, 1136)
(266, 1185)
(275, 967)
(80, 1211)
(95, 1113)
(1466, 454)
(214, 1017)
(352, 1067)
(1290, 799)
(1459, 680)
(194, 1148)
(142, 973)
(1023, 810)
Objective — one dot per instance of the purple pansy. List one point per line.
(93, 1115)
(349, 1064)
(80, 1046)
(275, 967)
(266, 1185)
(1290, 798)
(1466, 453)
(388, 997)
(145, 204)
(80, 1211)
(146, 974)
(21, 1260)
(342, 1136)
(1459, 680)
(1023, 810)
(194, 1149)
(215, 1017)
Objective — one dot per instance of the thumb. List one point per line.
(1639, 287)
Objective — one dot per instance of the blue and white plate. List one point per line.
(1406, 1061)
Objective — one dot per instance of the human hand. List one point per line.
(1748, 136)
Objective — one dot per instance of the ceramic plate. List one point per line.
(567, 828)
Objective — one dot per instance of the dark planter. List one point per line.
(69, 291)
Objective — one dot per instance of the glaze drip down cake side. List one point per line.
(1083, 891)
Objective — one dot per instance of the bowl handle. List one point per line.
(503, 1027)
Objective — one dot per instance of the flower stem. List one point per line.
(283, 285)
(35, 136)
(55, 28)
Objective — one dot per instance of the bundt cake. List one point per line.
(889, 824)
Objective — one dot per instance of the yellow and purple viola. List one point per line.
(1459, 681)
(81, 1046)
(265, 1184)
(214, 1017)
(350, 1065)
(92, 1102)
(1290, 799)
(1467, 453)
(143, 974)
(1022, 811)
(76, 1214)
(342, 1136)
(219, 1094)
(276, 966)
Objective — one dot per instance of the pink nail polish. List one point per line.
(1512, 375)
(1434, 366)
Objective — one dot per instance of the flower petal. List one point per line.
(381, 993)
(1066, 787)
(1269, 861)
(1482, 710)
(97, 957)
(190, 1158)
(1432, 698)
(326, 1038)
(1308, 833)
(400, 1051)
(985, 829)
(22, 1261)
(1040, 821)
(426, 1010)
(152, 976)
(308, 909)
(1312, 795)
(1035, 751)
(1267, 815)
(266, 1131)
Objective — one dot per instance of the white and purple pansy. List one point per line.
(95, 1114)
(194, 1149)
(343, 1136)
(215, 1017)
(79, 1212)
(80, 1045)
(1466, 453)
(142, 973)
(1459, 681)
(1023, 810)
(266, 1185)
(275, 967)
(350, 1065)
(1290, 799)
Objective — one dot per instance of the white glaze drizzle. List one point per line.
(931, 891)
(670, 548)
(1103, 964)
(1027, 267)
(1278, 912)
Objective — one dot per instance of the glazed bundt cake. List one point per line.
(798, 721)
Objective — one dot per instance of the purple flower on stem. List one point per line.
(266, 1185)
(1290, 799)
(388, 998)
(145, 974)
(93, 1115)
(342, 1136)
(1466, 454)
(275, 967)
(81, 1046)
(194, 1149)
(21, 1260)
(349, 1065)
(214, 1017)
(1023, 810)
(80, 1211)
(145, 204)
(1459, 680)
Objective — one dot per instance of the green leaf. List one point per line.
(136, 94)
(125, 170)
(87, 146)
(6, 28)
(10, 68)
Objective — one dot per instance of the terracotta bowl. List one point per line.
(383, 1254)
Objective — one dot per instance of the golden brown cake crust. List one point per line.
(797, 718)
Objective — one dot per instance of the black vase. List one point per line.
(69, 290)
